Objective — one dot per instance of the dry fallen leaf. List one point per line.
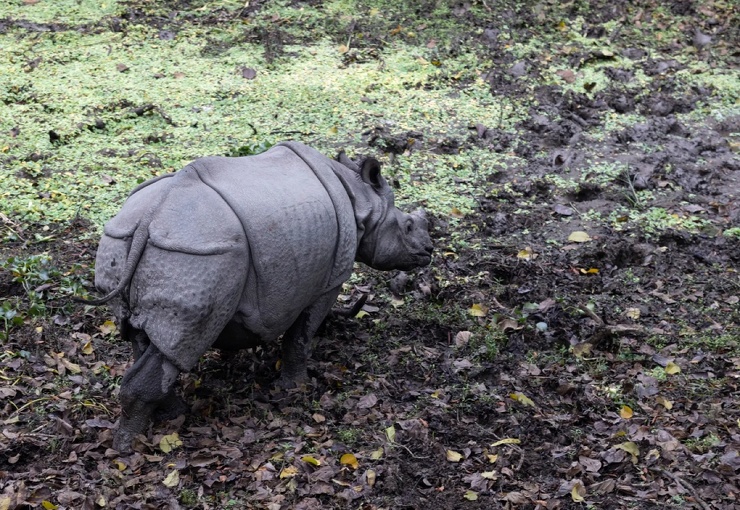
(453, 456)
(630, 448)
(633, 313)
(671, 368)
(478, 310)
(350, 460)
(526, 254)
(311, 460)
(508, 440)
(378, 454)
(579, 237)
(578, 492)
(664, 402)
(521, 397)
(626, 412)
(462, 338)
(390, 433)
(169, 442)
(471, 495)
(172, 480)
(288, 472)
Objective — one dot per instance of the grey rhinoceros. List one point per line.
(235, 251)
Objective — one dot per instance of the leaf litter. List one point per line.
(628, 396)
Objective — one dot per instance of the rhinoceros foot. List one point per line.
(172, 407)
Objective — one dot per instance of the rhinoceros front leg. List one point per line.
(297, 340)
(146, 386)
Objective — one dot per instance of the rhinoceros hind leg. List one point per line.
(147, 385)
(297, 340)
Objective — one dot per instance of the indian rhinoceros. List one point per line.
(235, 251)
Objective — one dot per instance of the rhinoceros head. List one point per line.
(389, 237)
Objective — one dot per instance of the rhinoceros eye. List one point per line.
(409, 225)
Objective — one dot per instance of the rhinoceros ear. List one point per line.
(343, 159)
(370, 173)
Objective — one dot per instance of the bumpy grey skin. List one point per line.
(235, 251)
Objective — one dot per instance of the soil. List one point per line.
(602, 373)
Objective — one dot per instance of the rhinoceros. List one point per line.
(230, 252)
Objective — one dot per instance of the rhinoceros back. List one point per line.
(295, 211)
(280, 224)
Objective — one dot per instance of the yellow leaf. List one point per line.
(492, 458)
(579, 237)
(454, 456)
(562, 26)
(488, 475)
(361, 314)
(288, 472)
(508, 440)
(107, 328)
(664, 402)
(370, 477)
(521, 397)
(582, 349)
(526, 254)
(4, 502)
(311, 460)
(471, 496)
(671, 368)
(390, 433)
(478, 310)
(333, 130)
(349, 460)
(633, 313)
(72, 367)
(343, 48)
(630, 448)
(456, 213)
(169, 442)
(119, 465)
(48, 505)
(87, 348)
(574, 493)
(378, 454)
(592, 270)
(172, 479)
(100, 501)
(626, 412)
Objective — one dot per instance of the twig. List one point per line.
(684, 484)
(410, 452)
(238, 14)
(590, 313)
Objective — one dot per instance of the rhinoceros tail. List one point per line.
(138, 243)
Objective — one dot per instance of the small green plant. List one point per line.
(188, 497)
(10, 317)
(251, 149)
(732, 232)
(348, 436)
(658, 373)
(703, 444)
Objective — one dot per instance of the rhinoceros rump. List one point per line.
(235, 251)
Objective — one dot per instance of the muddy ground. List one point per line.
(532, 369)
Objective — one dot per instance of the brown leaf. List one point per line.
(367, 401)
(567, 75)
